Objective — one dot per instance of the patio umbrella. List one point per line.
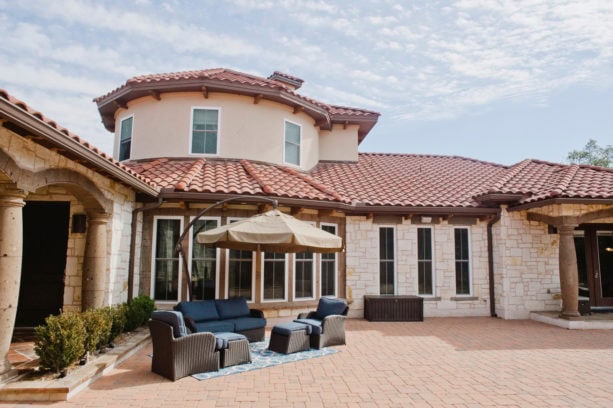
(272, 231)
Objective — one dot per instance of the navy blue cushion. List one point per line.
(222, 339)
(215, 326)
(315, 324)
(287, 328)
(328, 306)
(247, 323)
(175, 319)
(232, 308)
(199, 310)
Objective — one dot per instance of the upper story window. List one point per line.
(292, 143)
(125, 138)
(205, 130)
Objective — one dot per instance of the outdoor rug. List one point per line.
(261, 357)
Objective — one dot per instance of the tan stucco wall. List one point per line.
(363, 266)
(32, 159)
(339, 144)
(247, 130)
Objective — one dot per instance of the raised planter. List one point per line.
(381, 308)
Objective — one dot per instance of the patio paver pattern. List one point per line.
(441, 362)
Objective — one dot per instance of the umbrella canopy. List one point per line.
(272, 231)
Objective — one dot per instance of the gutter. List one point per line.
(490, 262)
(147, 207)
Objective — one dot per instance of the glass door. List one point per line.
(603, 268)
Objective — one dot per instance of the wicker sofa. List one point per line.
(224, 315)
(327, 322)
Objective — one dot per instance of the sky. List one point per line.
(499, 81)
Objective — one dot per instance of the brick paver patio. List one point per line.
(441, 362)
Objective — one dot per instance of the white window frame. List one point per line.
(262, 299)
(153, 251)
(119, 137)
(217, 251)
(329, 224)
(285, 141)
(432, 261)
(313, 275)
(191, 130)
(227, 267)
(395, 263)
(470, 263)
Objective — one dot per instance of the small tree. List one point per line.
(592, 154)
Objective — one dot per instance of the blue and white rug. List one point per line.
(261, 357)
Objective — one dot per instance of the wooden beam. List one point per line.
(156, 94)
(120, 104)
(257, 98)
(345, 124)
(407, 217)
(205, 92)
(298, 109)
(297, 210)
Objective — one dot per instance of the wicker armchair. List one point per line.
(327, 322)
(175, 358)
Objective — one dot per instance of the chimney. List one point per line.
(289, 81)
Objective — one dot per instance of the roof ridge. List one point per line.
(255, 174)
(314, 183)
(186, 180)
(509, 175)
(427, 155)
(569, 174)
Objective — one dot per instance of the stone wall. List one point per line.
(362, 254)
(86, 190)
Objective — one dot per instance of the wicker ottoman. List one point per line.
(289, 338)
(234, 349)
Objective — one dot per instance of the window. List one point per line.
(240, 273)
(274, 276)
(424, 261)
(165, 262)
(304, 284)
(386, 260)
(328, 267)
(462, 262)
(125, 138)
(292, 143)
(204, 263)
(205, 130)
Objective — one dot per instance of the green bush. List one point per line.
(139, 311)
(98, 328)
(59, 342)
(118, 317)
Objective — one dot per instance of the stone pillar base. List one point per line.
(8, 375)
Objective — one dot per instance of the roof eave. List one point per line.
(37, 127)
(568, 200)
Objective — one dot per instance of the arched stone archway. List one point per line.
(16, 184)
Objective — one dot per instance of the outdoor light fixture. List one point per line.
(609, 249)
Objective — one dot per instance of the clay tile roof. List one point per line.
(539, 180)
(408, 180)
(71, 136)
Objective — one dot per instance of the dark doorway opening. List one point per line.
(45, 240)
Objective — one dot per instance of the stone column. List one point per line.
(95, 262)
(11, 250)
(569, 275)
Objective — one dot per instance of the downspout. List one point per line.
(490, 262)
(147, 207)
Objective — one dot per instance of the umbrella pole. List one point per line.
(180, 250)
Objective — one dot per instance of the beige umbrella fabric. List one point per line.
(272, 231)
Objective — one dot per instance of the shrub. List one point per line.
(118, 317)
(98, 328)
(59, 342)
(139, 311)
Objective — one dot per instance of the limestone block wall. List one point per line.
(526, 266)
(30, 159)
(362, 254)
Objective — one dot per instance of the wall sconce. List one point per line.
(79, 223)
